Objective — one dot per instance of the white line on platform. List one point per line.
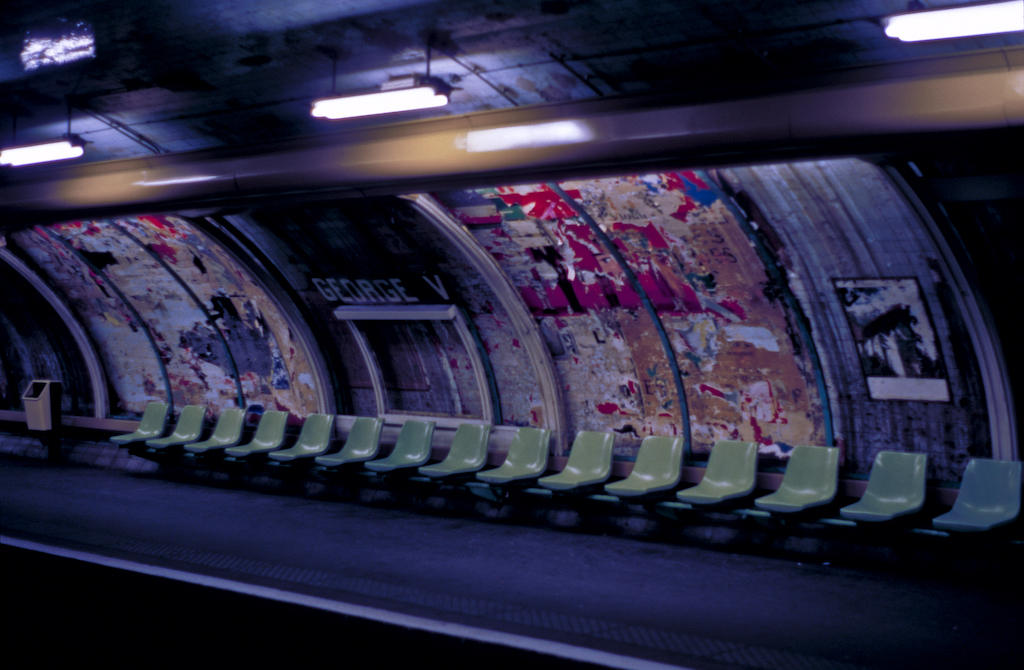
(539, 645)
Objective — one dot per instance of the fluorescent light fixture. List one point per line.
(422, 94)
(176, 180)
(963, 21)
(63, 43)
(530, 136)
(41, 153)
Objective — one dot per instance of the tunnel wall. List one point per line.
(791, 304)
(353, 255)
(173, 315)
(702, 284)
(902, 372)
(36, 343)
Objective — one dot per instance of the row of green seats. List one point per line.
(227, 433)
(413, 447)
(989, 495)
(657, 467)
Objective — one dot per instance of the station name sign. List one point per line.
(407, 290)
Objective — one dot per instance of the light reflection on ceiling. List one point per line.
(69, 43)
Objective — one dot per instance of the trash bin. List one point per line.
(42, 404)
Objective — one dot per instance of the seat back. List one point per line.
(897, 479)
(731, 473)
(590, 457)
(154, 419)
(659, 461)
(270, 431)
(413, 444)
(363, 440)
(228, 430)
(991, 485)
(590, 462)
(315, 436)
(812, 474)
(658, 466)
(527, 457)
(528, 451)
(469, 446)
(989, 496)
(190, 424)
(732, 465)
(152, 425)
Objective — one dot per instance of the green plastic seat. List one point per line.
(527, 457)
(269, 436)
(811, 480)
(314, 440)
(362, 444)
(989, 497)
(227, 433)
(468, 453)
(658, 467)
(152, 425)
(590, 462)
(731, 473)
(895, 488)
(412, 449)
(186, 431)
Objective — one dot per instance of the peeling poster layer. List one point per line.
(746, 375)
(194, 299)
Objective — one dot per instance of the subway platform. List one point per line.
(109, 557)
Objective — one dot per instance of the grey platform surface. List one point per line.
(642, 597)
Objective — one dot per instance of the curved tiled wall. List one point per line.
(792, 304)
(171, 312)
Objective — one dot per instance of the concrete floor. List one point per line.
(611, 591)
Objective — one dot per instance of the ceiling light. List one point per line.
(175, 180)
(964, 21)
(64, 42)
(42, 153)
(412, 93)
(530, 136)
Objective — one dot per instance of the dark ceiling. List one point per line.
(177, 75)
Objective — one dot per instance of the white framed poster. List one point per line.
(896, 341)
